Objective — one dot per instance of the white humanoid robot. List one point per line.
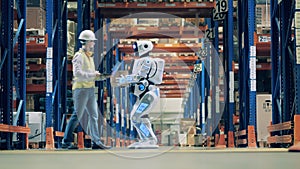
(146, 73)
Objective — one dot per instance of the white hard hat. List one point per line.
(87, 35)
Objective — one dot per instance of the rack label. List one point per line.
(231, 87)
(141, 5)
(106, 5)
(210, 33)
(298, 55)
(217, 98)
(170, 4)
(222, 6)
(200, 4)
(297, 19)
(218, 15)
(297, 37)
(252, 51)
(253, 85)
(49, 70)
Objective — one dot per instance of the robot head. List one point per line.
(142, 47)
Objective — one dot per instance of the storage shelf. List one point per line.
(138, 32)
(172, 87)
(171, 95)
(259, 66)
(263, 49)
(180, 9)
(170, 59)
(177, 76)
(36, 88)
(36, 47)
(35, 67)
(165, 48)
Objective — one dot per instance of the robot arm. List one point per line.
(127, 79)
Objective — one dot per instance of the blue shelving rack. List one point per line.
(296, 7)
(247, 69)
(56, 67)
(9, 79)
(285, 66)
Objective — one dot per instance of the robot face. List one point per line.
(142, 47)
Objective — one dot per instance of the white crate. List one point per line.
(36, 123)
(182, 139)
(263, 115)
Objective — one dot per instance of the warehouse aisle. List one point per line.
(163, 158)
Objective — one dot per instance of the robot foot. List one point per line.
(148, 144)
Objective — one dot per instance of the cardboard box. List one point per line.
(186, 124)
(36, 18)
(191, 139)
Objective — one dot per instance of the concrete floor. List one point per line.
(162, 158)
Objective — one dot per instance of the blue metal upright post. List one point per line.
(99, 30)
(228, 51)
(57, 65)
(6, 67)
(21, 71)
(203, 100)
(64, 63)
(251, 52)
(242, 20)
(49, 71)
(119, 103)
(275, 30)
(296, 7)
(287, 14)
(56, 68)
(109, 101)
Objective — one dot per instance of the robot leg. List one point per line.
(141, 122)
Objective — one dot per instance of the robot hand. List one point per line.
(121, 81)
(125, 80)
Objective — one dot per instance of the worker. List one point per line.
(83, 89)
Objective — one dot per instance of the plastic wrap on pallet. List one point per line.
(71, 37)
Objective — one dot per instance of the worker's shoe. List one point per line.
(65, 145)
(73, 147)
(100, 145)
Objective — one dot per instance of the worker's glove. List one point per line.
(104, 77)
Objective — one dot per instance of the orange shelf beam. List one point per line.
(181, 9)
(170, 59)
(14, 129)
(165, 48)
(36, 88)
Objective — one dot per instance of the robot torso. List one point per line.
(150, 70)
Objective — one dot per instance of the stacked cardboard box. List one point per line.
(36, 3)
(36, 18)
